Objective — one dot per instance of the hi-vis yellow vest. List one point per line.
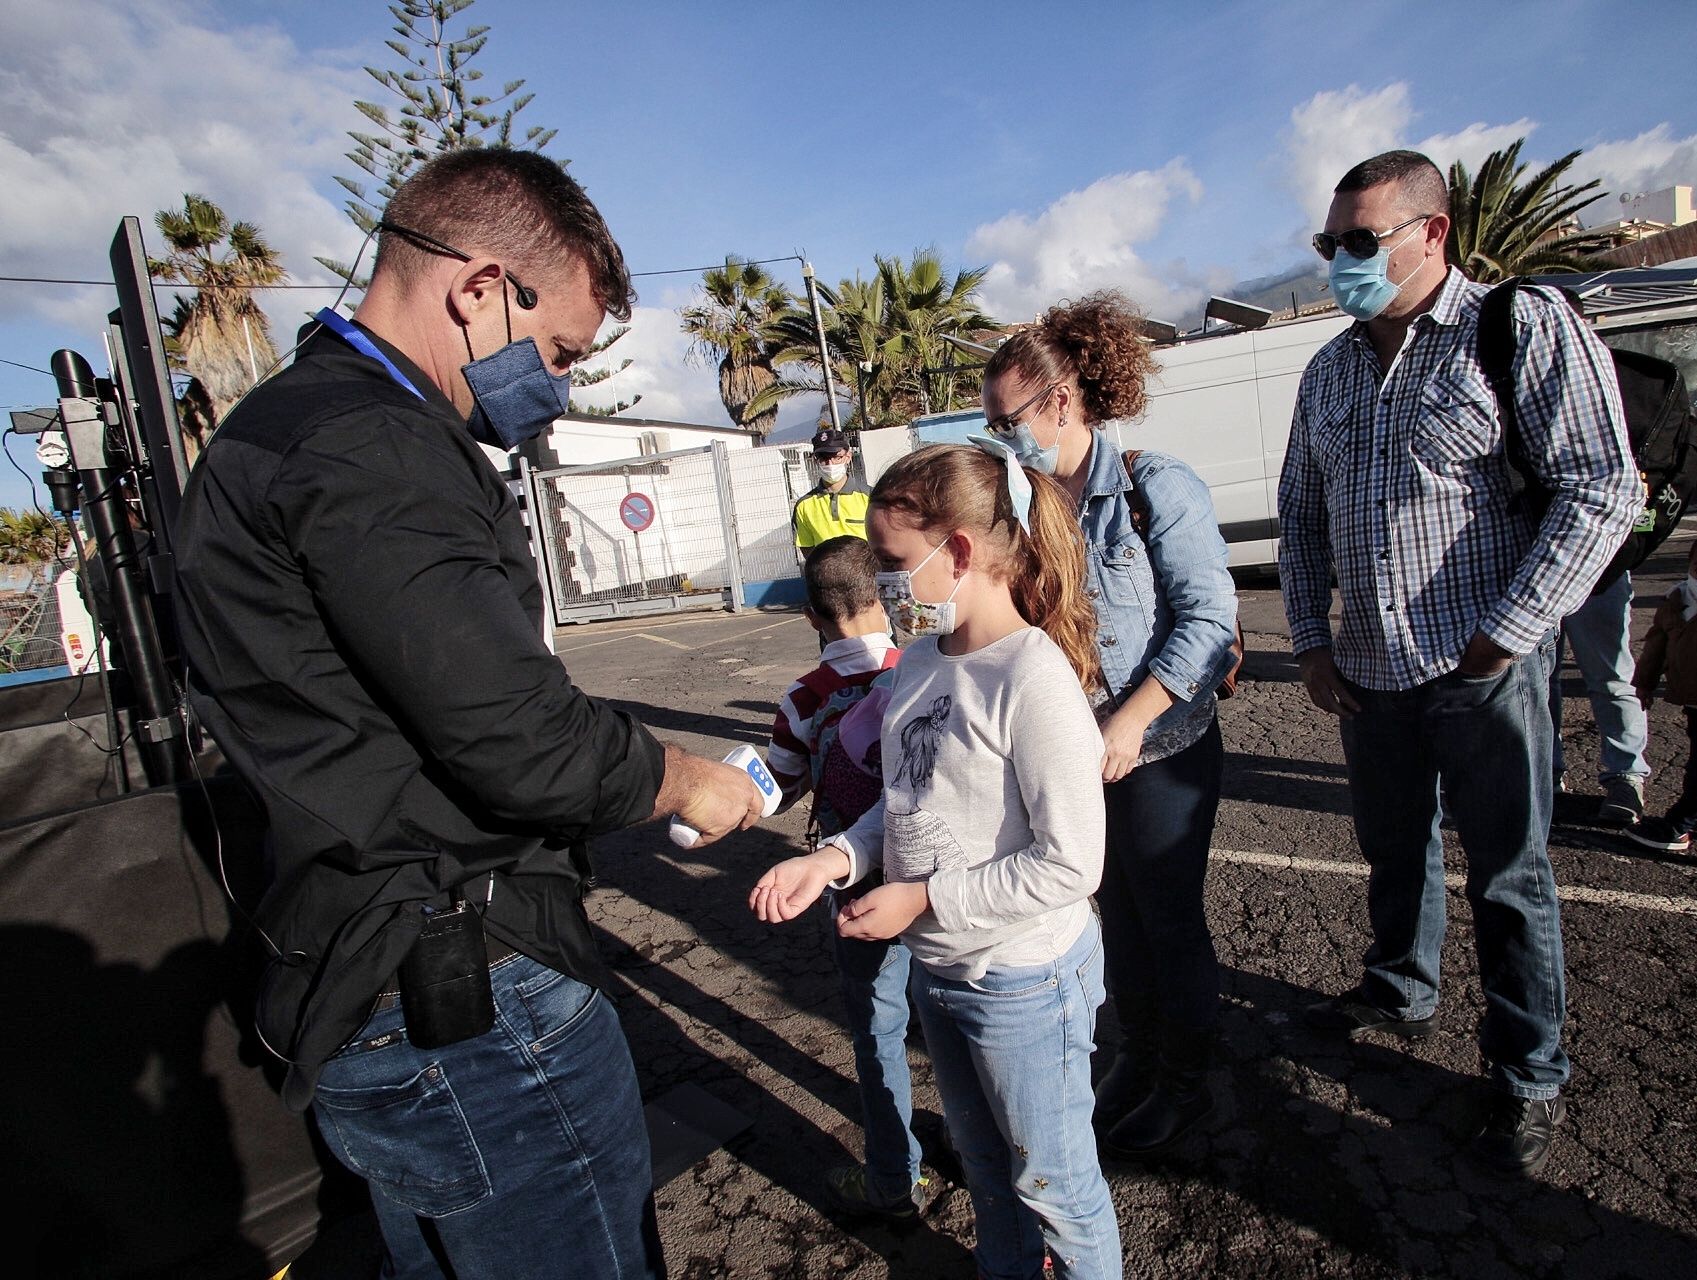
(821, 515)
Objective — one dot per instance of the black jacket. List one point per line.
(362, 620)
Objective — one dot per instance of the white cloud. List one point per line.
(1653, 160)
(672, 389)
(176, 101)
(1338, 128)
(1472, 144)
(1087, 240)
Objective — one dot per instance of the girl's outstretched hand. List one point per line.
(884, 912)
(795, 884)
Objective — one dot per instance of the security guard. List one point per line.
(835, 506)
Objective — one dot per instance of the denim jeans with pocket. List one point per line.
(1487, 738)
(1600, 634)
(1011, 1052)
(874, 981)
(518, 1154)
(1162, 969)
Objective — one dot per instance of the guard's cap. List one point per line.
(828, 441)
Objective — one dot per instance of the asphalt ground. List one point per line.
(1322, 1158)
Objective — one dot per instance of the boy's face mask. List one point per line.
(916, 617)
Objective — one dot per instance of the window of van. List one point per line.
(1675, 343)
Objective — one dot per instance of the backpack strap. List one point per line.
(1139, 500)
(1498, 344)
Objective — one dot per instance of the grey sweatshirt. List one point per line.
(993, 796)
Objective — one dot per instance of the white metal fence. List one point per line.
(689, 529)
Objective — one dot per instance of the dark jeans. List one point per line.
(520, 1153)
(1684, 812)
(1488, 739)
(1161, 964)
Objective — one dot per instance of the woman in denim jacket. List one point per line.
(1166, 614)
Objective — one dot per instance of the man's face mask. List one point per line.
(517, 397)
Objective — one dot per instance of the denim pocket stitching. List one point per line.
(429, 1087)
(545, 1042)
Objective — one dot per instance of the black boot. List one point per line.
(1179, 1102)
(1128, 1081)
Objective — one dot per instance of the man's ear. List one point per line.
(475, 285)
(812, 618)
(1437, 232)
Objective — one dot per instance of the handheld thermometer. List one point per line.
(748, 760)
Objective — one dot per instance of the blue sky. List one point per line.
(1169, 149)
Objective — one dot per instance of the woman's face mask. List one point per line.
(914, 616)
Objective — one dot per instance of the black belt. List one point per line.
(493, 947)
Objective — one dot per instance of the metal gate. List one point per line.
(703, 528)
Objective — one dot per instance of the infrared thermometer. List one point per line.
(748, 760)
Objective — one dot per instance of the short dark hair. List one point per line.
(840, 578)
(518, 206)
(1422, 187)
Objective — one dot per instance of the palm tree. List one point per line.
(28, 537)
(1501, 226)
(735, 322)
(220, 336)
(885, 336)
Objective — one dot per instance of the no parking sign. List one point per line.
(636, 511)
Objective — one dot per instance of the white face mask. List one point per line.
(833, 472)
(917, 618)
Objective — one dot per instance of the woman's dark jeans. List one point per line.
(1161, 964)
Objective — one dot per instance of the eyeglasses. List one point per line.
(1358, 242)
(1008, 423)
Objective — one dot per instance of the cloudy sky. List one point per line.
(1169, 149)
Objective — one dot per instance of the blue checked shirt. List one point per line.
(1397, 481)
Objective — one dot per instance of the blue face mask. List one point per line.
(1362, 286)
(517, 397)
(1018, 436)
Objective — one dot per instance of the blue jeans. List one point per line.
(1012, 1058)
(1488, 739)
(1161, 963)
(1599, 633)
(519, 1154)
(874, 981)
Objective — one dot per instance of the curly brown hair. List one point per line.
(1098, 340)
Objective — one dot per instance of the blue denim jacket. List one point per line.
(1166, 605)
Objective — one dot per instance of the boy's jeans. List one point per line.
(874, 981)
(1488, 739)
(1599, 634)
(1012, 1057)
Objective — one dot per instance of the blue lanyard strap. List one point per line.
(344, 329)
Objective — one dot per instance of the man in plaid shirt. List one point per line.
(1396, 480)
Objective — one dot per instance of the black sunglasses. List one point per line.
(522, 294)
(1004, 425)
(1358, 242)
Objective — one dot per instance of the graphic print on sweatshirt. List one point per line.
(918, 844)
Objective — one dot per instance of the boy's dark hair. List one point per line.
(518, 206)
(839, 575)
(1422, 186)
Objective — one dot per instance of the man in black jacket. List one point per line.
(362, 620)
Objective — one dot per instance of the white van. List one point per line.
(1223, 400)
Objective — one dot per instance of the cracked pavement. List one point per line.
(1322, 1158)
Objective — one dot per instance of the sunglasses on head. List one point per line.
(1358, 242)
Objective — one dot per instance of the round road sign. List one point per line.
(636, 512)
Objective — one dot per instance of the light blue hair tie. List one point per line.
(1019, 484)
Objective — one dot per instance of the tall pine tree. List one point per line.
(440, 108)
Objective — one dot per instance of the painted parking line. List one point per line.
(676, 644)
(743, 635)
(1566, 892)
